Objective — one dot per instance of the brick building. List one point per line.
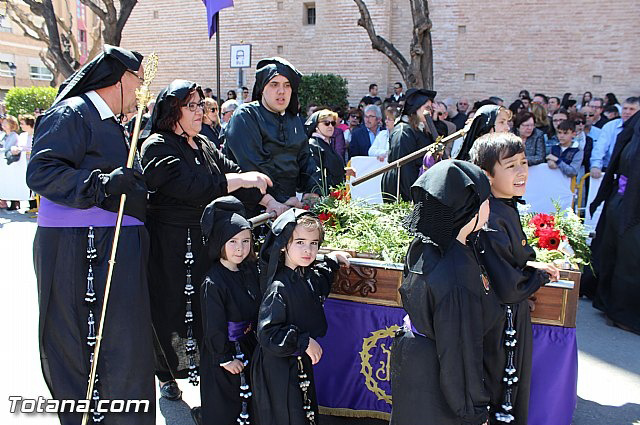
(480, 48)
(20, 55)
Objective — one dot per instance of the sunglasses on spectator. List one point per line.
(578, 122)
(329, 123)
(192, 106)
(355, 116)
(440, 114)
(590, 115)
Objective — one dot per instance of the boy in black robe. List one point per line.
(290, 320)
(511, 265)
(230, 298)
(443, 363)
(266, 134)
(77, 166)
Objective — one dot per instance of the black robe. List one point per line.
(72, 146)
(226, 296)
(174, 214)
(291, 312)
(330, 163)
(404, 140)
(505, 253)
(274, 144)
(618, 233)
(440, 374)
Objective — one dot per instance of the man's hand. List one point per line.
(314, 351)
(552, 271)
(256, 179)
(552, 164)
(293, 202)
(552, 157)
(276, 207)
(596, 173)
(234, 367)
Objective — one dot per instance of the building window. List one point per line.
(83, 36)
(469, 77)
(309, 13)
(5, 24)
(156, 15)
(280, 5)
(280, 50)
(37, 72)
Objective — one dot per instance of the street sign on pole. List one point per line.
(240, 55)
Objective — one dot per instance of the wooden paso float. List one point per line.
(376, 282)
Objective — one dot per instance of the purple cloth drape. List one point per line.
(340, 382)
(554, 376)
(213, 7)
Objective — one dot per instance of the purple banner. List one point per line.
(213, 7)
(354, 370)
(554, 376)
(352, 378)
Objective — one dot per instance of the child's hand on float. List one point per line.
(235, 366)
(341, 257)
(314, 351)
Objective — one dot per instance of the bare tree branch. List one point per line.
(97, 10)
(380, 43)
(418, 73)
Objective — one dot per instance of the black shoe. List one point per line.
(196, 414)
(171, 391)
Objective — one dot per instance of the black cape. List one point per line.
(291, 312)
(483, 122)
(226, 296)
(174, 214)
(441, 374)
(505, 253)
(276, 145)
(72, 146)
(404, 140)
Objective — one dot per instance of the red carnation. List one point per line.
(325, 216)
(549, 238)
(339, 194)
(542, 221)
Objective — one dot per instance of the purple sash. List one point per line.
(51, 214)
(622, 184)
(238, 330)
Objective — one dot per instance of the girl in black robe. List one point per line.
(510, 263)
(407, 137)
(291, 317)
(617, 242)
(443, 363)
(230, 298)
(176, 261)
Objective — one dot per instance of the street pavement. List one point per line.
(608, 371)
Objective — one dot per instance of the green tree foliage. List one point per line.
(323, 89)
(23, 100)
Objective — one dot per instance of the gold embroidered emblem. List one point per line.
(382, 373)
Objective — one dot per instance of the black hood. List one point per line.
(267, 69)
(221, 220)
(275, 241)
(179, 89)
(483, 122)
(446, 197)
(415, 98)
(104, 70)
(311, 124)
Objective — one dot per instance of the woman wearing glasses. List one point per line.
(320, 127)
(185, 172)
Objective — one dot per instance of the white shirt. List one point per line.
(380, 145)
(102, 107)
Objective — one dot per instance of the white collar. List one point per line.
(102, 107)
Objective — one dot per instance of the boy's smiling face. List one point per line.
(565, 137)
(509, 177)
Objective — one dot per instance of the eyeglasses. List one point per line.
(579, 122)
(590, 115)
(329, 123)
(354, 116)
(192, 106)
(440, 114)
(226, 112)
(141, 79)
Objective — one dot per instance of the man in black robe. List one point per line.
(77, 166)
(266, 134)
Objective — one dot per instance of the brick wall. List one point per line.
(541, 45)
